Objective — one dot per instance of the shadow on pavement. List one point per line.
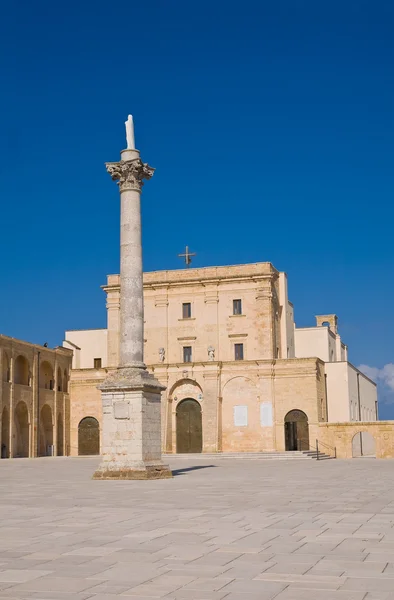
(176, 472)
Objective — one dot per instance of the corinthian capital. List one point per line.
(129, 174)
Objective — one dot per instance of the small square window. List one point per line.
(237, 307)
(238, 351)
(97, 363)
(186, 310)
(187, 354)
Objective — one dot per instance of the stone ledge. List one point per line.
(157, 472)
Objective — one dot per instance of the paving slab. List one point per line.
(283, 530)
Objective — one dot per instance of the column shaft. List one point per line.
(131, 286)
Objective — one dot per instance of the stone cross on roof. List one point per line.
(187, 256)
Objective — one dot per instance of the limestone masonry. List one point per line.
(239, 375)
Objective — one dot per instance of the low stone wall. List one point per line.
(357, 439)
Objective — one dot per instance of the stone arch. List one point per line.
(60, 435)
(46, 431)
(21, 370)
(59, 380)
(188, 426)
(183, 386)
(245, 379)
(22, 431)
(88, 437)
(6, 375)
(240, 416)
(5, 433)
(363, 444)
(296, 430)
(65, 381)
(46, 376)
(180, 390)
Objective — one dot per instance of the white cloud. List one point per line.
(384, 377)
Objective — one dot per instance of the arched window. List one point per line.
(46, 376)
(65, 381)
(21, 371)
(59, 380)
(326, 324)
(6, 367)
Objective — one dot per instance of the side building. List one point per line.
(34, 399)
(223, 342)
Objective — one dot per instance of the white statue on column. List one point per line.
(130, 133)
(211, 353)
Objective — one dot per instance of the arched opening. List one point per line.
(326, 324)
(22, 431)
(46, 375)
(60, 433)
(296, 431)
(88, 437)
(363, 444)
(65, 381)
(46, 431)
(59, 380)
(5, 433)
(6, 367)
(21, 371)
(188, 426)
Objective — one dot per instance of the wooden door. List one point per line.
(188, 427)
(88, 437)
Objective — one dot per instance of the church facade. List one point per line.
(239, 375)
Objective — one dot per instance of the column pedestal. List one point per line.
(131, 440)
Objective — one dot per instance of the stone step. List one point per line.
(291, 455)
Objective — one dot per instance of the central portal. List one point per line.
(188, 426)
(296, 431)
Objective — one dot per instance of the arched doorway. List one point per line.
(188, 426)
(5, 433)
(22, 431)
(46, 431)
(88, 437)
(363, 444)
(60, 433)
(296, 430)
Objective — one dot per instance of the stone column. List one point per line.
(131, 427)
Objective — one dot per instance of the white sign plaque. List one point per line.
(240, 416)
(266, 414)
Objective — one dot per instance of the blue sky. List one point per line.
(270, 126)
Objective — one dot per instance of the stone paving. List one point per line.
(233, 530)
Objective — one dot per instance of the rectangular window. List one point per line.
(237, 307)
(186, 310)
(238, 351)
(187, 354)
(97, 363)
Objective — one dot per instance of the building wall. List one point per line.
(34, 398)
(349, 391)
(343, 439)
(87, 345)
(86, 401)
(338, 391)
(315, 341)
(243, 404)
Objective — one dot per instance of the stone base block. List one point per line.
(149, 472)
